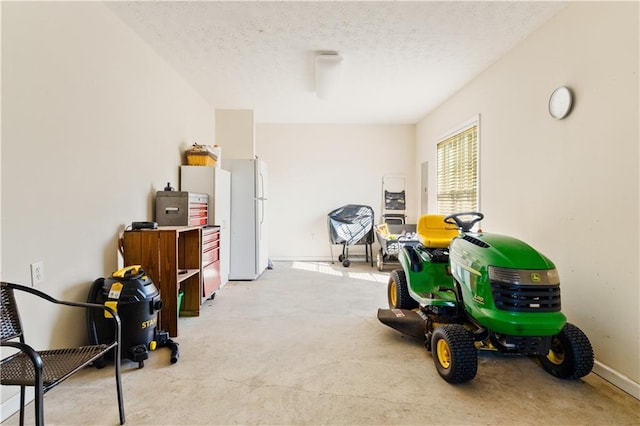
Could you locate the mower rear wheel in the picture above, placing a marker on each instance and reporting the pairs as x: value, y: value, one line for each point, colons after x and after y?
x: 454, y: 353
x: 398, y: 291
x: 570, y: 356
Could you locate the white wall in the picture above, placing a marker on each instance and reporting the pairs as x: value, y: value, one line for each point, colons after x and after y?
x: 569, y: 187
x: 316, y: 168
x: 235, y: 133
x: 94, y: 122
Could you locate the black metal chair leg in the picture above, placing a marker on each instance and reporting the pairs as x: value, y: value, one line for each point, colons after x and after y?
x: 117, y: 363
x: 38, y: 400
x: 22, y: 392
x: 119, y: 390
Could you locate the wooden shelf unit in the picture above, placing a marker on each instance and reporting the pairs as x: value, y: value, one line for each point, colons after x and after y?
x: 172, y: 257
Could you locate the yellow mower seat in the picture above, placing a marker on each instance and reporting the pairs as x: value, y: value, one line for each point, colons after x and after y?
x: 433, y: 232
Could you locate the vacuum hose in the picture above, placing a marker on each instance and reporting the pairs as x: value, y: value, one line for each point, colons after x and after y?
x: 175, y: 353
x: 162, y: 339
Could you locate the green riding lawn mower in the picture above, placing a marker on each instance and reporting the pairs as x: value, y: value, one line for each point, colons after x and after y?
x: 462, y: 291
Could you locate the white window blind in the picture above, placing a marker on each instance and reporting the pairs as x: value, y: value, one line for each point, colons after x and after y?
x: 458, y: 172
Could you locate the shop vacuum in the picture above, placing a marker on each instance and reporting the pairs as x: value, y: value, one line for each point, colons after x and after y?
x: 133, y: 295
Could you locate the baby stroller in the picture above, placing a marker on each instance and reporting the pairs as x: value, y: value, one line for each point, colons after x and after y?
x: 350, y: 225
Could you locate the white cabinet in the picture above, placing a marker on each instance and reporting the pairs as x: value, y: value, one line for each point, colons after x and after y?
x: 215, y: 182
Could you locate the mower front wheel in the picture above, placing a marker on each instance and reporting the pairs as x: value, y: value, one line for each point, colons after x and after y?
x: 398, y: 291
x: 571, y: 354
x: 454, y: 353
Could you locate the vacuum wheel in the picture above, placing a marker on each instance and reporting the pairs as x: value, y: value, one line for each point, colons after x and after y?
x: 99, y: 363
x: 454, y: 353
x: 398, y: 291
x: 570, y: 356
x: 346, y: 263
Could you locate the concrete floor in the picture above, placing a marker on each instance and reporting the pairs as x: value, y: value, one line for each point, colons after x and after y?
x: 302, y: 346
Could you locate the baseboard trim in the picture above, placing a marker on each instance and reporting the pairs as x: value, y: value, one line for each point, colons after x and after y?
x: 617, y: 379
x: 353, y: 256
x: 302, y: 259
x: 12, y: 405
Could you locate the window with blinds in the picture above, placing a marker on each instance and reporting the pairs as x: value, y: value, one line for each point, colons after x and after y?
x: 458, y: 171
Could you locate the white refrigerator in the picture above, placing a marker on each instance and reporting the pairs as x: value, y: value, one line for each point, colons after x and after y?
x: 249, y: 218
x: 215, y: 182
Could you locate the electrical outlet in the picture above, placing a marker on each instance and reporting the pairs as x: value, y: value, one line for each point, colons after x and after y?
x: 37, y: 273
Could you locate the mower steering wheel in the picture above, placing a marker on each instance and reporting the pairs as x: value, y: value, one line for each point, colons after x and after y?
x: 464, y: 225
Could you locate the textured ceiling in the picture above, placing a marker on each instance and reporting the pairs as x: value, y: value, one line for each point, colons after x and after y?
x: 401, y: 59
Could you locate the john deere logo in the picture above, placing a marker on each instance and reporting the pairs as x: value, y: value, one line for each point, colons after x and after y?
x: 535, y: 277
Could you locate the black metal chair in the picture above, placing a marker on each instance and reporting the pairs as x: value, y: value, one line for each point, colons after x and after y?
x: 46, y: 369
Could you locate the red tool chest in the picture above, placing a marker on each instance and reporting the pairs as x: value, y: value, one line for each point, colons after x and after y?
x: 210, y: 261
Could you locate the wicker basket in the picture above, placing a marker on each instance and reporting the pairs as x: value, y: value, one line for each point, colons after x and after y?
x: 199, y: 157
